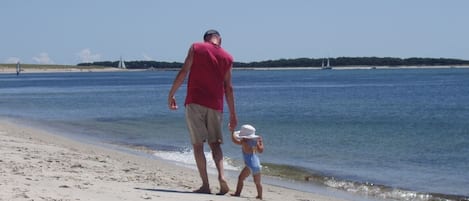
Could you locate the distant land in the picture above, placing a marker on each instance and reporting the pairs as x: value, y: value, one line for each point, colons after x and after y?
x: 51, y: 68
x: 279, y: 64
x: 303, y: 62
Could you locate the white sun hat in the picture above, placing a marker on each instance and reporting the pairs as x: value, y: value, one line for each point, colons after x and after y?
x: 247, y: 131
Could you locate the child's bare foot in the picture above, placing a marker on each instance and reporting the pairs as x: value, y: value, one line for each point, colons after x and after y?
x: 259, y: 197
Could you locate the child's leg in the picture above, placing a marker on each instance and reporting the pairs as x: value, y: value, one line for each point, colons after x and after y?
x: 242, y: 176
x: 257, y: 181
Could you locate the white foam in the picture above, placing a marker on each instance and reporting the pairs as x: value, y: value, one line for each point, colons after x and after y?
x: 187, y: 158
x: 378, y: 191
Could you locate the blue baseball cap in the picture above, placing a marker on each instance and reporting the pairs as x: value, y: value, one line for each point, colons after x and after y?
x: 211, y: 32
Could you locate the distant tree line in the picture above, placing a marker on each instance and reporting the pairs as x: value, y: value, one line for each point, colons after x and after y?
x: 300, y: 62
x: 355, y: 61
x: 135, y: 64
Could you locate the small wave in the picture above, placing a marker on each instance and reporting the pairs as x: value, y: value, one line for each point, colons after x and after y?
x: 361, y: 188
x: 179, y: 155
x: 186, y: 157
x: 386, y: 192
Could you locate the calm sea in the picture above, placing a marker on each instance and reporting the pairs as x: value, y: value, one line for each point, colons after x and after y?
x: 397, y: 134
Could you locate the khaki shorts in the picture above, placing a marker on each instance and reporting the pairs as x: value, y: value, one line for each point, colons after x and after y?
x: 204, y: 124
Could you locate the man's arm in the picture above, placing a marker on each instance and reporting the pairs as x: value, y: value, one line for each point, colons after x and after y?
x: 179, y: 80
x: 229, y: 96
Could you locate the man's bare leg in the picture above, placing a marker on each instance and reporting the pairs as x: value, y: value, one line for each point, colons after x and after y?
x: 217, y: 155
x: 201, y: 162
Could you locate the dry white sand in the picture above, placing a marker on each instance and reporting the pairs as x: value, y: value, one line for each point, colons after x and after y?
x: 36, y: 165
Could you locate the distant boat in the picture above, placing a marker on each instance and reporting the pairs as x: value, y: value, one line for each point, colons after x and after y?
x: 18, y: 68
x: 121, y: 64
x: 328, y: 66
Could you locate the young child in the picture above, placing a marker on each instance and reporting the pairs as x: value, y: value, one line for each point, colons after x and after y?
x: 250, y: 145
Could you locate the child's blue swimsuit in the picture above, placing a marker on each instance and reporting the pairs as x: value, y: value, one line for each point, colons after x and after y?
x: 252, y: 160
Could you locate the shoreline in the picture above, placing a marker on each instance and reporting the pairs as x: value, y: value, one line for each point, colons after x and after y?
x: 59, y: 69
x: 11, y: 69
x: 38, y: 164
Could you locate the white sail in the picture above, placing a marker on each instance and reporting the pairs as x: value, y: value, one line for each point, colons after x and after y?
x: 328, y: 64
x: 121, y: 64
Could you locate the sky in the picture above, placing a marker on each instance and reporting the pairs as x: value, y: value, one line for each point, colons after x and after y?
x: 76, y: 31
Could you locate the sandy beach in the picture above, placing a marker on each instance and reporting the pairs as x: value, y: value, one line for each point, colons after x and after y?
x: 37, y: 165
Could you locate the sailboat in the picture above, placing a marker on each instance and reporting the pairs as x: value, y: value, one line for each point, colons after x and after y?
x: 328, y: 66
x: 121, y: 64
x: 18, y: 68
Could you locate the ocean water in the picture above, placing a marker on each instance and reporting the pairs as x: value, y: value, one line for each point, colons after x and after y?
x: 398, y: 134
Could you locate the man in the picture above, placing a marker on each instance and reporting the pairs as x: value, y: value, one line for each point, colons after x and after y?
x: 209, y: 67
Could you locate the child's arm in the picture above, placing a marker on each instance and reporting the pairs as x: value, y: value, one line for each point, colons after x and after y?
x: 234, y: 139
x: 260, y: 145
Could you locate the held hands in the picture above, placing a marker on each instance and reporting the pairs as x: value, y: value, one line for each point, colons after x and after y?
x: 172, y: 103
x: 233, y: 123
x: 231, y: 126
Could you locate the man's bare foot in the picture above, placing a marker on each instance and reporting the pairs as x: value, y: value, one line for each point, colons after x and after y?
x: 203, y: 190
x: 259, y: 197
x: 236, y: 194
x: 223, y: 188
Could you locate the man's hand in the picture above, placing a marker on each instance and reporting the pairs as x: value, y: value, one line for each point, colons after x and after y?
x: 172, y: 103
x: 233, y: 123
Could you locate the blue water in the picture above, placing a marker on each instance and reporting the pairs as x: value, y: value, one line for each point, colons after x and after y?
x: 401, y: 132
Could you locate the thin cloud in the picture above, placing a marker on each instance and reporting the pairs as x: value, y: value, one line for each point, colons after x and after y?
x: 12, y: 60
x: 43, y: 58
x: 86, y: 56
